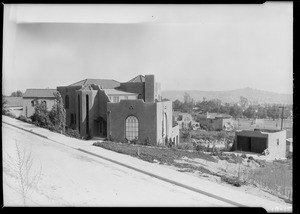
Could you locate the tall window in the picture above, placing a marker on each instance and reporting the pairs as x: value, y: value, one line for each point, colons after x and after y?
x: 67, y: 102
x: 132, y: 127
x: 32, y: 103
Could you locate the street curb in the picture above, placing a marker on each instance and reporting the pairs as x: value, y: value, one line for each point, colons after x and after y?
x: 139, y: 170
x: 26, y: 130
x: 167, y: 180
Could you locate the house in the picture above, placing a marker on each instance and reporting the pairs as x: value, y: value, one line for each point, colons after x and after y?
x: 289, y: 145
x: 184, y: 120
x: 122, y: 111
x: 14, y: 105
x: 33, y: 96
x: 216, y: 121
x: 270, y: 142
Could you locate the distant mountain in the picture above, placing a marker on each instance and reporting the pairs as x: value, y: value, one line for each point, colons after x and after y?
x: 253, y: 95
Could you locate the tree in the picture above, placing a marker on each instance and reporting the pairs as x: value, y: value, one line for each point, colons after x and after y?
x: 236, y: 111
x: 249, y: 112
x: 57, y: 114
x: 40, y: 116
x: 16, y: 94
x: 243, y: 102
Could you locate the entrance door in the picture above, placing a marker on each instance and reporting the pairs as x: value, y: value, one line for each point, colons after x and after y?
x: 102, y: 127
x: 243, y: 143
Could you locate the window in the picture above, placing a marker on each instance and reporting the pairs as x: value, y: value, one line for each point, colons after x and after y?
x: 32, y: 103
x: 116, y: 99
x: 44, y: 102
x: 67, y: 102
x: 132, y: 127
x: 72, y: 118
x: 277, y: 142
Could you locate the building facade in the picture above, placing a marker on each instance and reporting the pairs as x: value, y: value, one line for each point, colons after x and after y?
x: 259, y: 140
x: 122, y: 111
x: 216, y: 121
x: 32, y: 97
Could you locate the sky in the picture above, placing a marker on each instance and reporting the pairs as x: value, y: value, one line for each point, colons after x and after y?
x: 186, y: 47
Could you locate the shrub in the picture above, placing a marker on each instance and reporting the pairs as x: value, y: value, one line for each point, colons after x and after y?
x: 41, y: 116
x: 24, y: 119
x: 73, y: 133
x: 233, y: 181
x: 147, y: 141
x: 185, y: 146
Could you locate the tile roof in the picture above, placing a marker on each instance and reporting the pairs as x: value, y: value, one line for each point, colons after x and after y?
x: 104, y: 83
x: 139, y: 78
x: 14, y: 101
x: 117, y: 92
x: 40, y: 93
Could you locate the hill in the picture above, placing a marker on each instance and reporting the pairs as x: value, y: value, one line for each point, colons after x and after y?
x: 253, y: 95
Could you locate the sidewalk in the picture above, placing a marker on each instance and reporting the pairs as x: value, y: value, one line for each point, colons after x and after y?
x: 225, y: 194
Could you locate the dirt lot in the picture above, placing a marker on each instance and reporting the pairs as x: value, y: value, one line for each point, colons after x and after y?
x: 272, y: 180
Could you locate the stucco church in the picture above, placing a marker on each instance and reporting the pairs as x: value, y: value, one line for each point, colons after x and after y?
x: 124, y: 111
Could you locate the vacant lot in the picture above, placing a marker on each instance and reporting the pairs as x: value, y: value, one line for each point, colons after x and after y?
x: 267, y: 124
x: 237, y: 170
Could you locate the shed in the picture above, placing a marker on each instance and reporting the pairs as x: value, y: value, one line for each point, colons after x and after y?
x: 259, y: 140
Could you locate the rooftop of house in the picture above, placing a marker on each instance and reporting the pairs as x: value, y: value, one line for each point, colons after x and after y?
x: 117, y: 92
x: 14, y: 101
x: 268, y: 130
x: 40, y: 93
x: 104, y: 83
x: 139, y: 78
x: 177, y: 113
x: 215, y: 115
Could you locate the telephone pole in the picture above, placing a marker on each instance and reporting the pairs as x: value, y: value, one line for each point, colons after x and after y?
x: 282, y: 115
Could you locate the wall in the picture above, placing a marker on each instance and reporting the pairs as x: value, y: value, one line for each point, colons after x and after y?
x: 133, y: 87
x: 164, y: 108
x: 277, y: 151
x: 16, y: 111
x: 149, y: 88
x: 30, y: 109
x: 145, y: 112
x: 249, y: 133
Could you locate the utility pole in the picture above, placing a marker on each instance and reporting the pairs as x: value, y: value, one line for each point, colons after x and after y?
x: 282, y: 115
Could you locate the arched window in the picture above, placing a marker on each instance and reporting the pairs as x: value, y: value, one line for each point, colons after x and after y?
x: 44, y: 102
x: 32, y: 103
x: 132, y: 128
x: 67, y: 102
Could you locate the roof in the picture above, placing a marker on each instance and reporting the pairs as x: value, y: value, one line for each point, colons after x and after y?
x: 215, y: 115
x: 104, y: 83
x: 117, y: 92
x: 139, y: 78
x: 49, y: 93
x: 177, y: 113
x: 14, y: 101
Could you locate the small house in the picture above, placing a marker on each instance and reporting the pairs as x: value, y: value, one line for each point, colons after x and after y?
x: 216, y: 121
x: 269, y: 142
x: 32, y: 97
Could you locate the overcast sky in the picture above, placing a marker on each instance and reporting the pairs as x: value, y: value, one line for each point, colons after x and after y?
x: 187, y: 47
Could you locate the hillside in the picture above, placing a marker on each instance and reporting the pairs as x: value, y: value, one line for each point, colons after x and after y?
x: 253, y: 95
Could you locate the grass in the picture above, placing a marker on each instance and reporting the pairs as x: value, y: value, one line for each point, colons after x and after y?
x: 275, y: 177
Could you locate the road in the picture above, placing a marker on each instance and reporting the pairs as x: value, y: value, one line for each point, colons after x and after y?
x: 69, y: 177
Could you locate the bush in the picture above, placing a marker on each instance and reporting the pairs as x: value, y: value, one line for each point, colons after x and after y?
x: 185, y: 146
x: 73, y: 133
x: 24, y: 119
x: 233, y: 181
